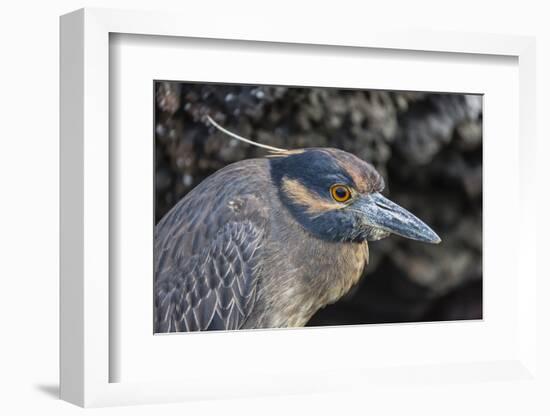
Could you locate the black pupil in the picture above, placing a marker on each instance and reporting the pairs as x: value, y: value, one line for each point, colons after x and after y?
x: 341, y: 193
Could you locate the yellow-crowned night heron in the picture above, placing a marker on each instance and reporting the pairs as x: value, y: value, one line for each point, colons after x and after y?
x: 266, y: 243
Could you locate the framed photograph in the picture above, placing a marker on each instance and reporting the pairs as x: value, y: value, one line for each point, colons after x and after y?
x: 303, y: 212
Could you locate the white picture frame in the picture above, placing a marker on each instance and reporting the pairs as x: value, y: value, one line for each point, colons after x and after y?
x: 86, y: 355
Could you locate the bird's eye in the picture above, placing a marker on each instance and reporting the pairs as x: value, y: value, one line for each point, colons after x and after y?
x: 340, y: 193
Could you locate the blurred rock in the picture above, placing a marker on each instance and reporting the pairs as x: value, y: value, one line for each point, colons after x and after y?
x: 168, y: 96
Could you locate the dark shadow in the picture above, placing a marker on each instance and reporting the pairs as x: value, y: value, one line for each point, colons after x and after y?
x: 51, y: 390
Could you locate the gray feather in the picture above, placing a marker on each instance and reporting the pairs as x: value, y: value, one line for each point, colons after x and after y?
x: 207, y: 266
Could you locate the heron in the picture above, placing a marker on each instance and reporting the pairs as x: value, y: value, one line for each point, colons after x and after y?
x: 267, y: 242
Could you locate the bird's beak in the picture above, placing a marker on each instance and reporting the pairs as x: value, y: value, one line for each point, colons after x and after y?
x: 385, y: 215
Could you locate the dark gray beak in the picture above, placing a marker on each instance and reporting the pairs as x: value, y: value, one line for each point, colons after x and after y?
x: 382, y: 214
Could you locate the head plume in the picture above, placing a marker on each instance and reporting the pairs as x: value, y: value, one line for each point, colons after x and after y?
x: 276, y: 151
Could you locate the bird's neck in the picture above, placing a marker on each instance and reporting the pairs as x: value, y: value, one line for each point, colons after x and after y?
x: 312, y: 274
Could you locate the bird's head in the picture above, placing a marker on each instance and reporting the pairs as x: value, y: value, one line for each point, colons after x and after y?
x: 337, y: 197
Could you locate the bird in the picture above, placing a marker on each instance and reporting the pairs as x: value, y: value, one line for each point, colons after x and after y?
x: 267, y: 242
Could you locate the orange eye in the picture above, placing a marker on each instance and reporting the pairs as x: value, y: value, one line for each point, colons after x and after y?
x: 340, y: 193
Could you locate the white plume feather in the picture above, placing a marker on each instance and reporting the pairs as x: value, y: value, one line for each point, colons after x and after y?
x: 245, y: 140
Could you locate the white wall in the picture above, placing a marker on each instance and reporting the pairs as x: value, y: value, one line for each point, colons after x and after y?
x: 29, y: 206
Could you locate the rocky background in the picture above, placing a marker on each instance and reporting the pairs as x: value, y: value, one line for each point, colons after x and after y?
x: 428, y: 147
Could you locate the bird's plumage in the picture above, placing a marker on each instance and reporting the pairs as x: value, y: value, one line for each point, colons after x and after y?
x: 262, y: 244
x: 216, y: 288
x: 207, y: 256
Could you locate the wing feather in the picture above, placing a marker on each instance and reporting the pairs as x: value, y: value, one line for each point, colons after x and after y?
x: 215, y: 290
x: 208, y: 251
